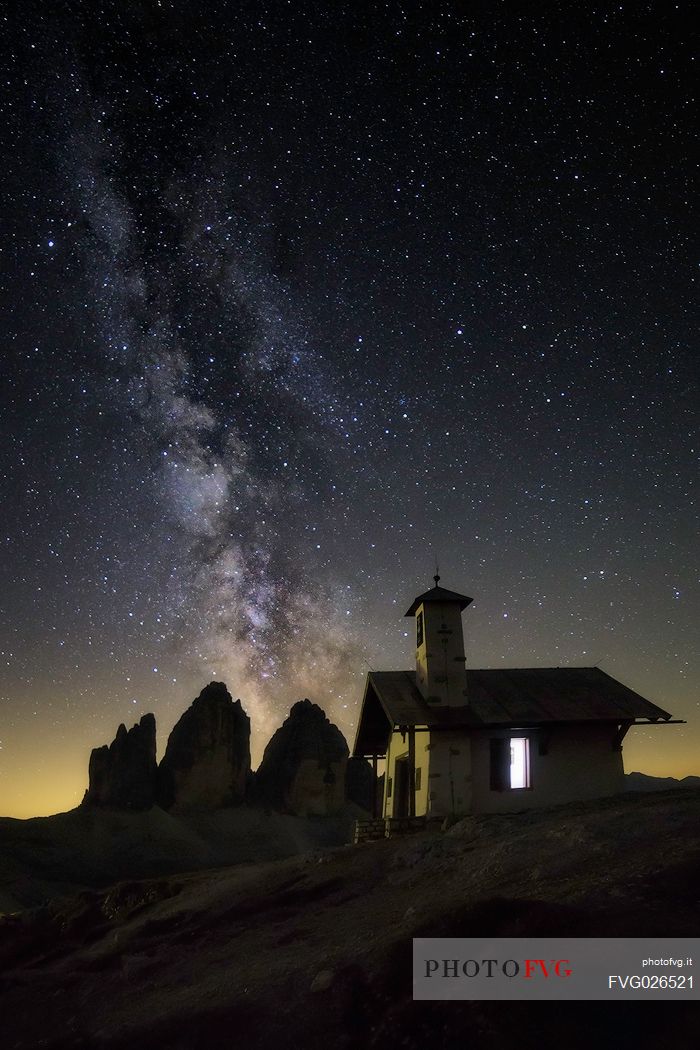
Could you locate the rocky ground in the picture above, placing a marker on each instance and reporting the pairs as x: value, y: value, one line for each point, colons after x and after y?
x: 315, y: 950
x: 88, y: 847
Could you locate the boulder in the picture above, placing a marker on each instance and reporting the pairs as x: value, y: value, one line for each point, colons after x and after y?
x: 207, y: 761
x: 123, y: 775
x: 361, y: 784
x: 303, y: 767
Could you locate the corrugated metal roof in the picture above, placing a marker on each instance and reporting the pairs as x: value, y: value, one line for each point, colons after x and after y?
x: 555, y: 694
x: 512, y: 696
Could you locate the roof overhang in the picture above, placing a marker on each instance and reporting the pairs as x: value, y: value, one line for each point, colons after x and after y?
x: 619, y: 720
x: 374, y: 727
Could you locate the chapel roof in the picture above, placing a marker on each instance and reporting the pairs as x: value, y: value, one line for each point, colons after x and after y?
x: 518, y: 696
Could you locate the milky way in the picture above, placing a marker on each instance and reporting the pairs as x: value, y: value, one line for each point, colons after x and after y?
x: 239, y: 409
x: 300, y: 301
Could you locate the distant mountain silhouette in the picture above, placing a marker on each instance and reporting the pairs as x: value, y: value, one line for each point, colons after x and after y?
x: 206, y: 765
x: 643, y: 782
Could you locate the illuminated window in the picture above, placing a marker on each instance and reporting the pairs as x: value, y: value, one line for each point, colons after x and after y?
x: 419, y: 629
x: 510, y: 763
x: 519, y: 762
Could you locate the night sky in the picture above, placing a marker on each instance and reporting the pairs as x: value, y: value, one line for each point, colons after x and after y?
x: 299, y: 298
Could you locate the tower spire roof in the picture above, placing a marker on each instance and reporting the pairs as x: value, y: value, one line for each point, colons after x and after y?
x: 438, y: 594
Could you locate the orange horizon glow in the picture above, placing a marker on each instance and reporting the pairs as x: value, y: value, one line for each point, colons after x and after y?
x: 59, y: 782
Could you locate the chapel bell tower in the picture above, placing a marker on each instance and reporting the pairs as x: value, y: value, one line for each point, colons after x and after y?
x: 441, y: 674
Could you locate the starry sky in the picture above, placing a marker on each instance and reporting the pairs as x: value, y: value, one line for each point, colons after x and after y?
x: 299, y: 299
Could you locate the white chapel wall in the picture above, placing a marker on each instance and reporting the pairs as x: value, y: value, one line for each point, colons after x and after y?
x: 580, y: 763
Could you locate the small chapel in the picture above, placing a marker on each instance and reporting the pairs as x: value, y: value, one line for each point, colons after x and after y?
x: 457, y: 740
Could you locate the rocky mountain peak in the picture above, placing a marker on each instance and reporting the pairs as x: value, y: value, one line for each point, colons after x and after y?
x: 303, y: 767
x: 207, y: 760
x: 124, y: 774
